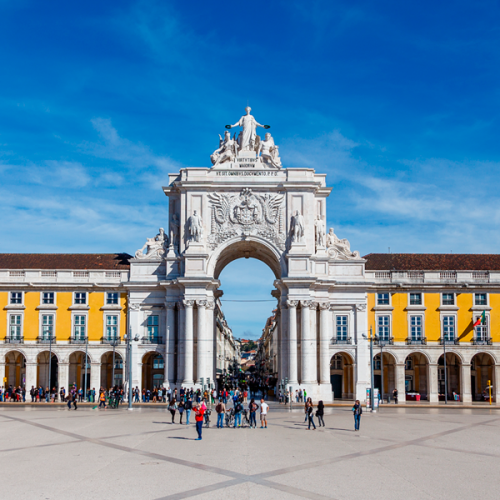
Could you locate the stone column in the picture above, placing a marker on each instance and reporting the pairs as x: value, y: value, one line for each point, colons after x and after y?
x: 495, y: 390
x: 433, y: 383
x: 465, y: 386
x: 169, y: 344
x: 136, y: 329
x: 308, y: 345
x: 95, y: 377
x: 30, y: 376
x: 400, y: 381
x: 210, y: 336
x: 187, y: 340
x: 2, y: 375
x: 202, y: 341
x: 181, y: 318
x: 63, y: 376
x: 324, y: 344
x: 292, y: 342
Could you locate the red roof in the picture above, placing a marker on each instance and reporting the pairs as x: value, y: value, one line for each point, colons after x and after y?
x: 431, y: 262
x: 113, y: 261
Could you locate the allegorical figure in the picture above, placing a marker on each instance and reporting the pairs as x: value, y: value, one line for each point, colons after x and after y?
x: 319, y: 226
x: 174, y: 231
x: 195, y: 227
x: 269, y: 151
x: 297, y: 227
x: 249, y: 125
x: 339, y: 248
x: 154, y: 247
x: 228, y: 149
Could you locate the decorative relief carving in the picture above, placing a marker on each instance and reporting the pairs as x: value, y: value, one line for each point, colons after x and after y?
x: 339, y: 249
x: 246, y: 214
x: 154, y: 248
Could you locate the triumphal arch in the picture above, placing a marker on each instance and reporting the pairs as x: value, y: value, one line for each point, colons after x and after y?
x: 247, y: 204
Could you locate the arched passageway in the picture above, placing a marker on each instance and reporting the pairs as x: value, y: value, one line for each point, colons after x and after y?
x: 153, y: 370
x: 47, y: 364
x: 15, y: 369
x: 482, y: 375
x: 453, y: 376
x: 342, y: 375
x: 107, y: 371
x: 417, y: 376
x: 387, y: 363
x: 77, y: 370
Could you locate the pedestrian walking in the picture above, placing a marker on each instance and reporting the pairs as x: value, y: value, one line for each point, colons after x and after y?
x: 253, y: 407
x: 395, y: 396
x: 357, y: 411
x: 188, y: 407
x: 264, y: 408
x: 221, y: 411
x: 181, y: 411
x: 238, y: 408
x: 198, y: 416
x: 310, y: 416
x: 320, y: 412
x: 102, y: 399
x: 172, y: 408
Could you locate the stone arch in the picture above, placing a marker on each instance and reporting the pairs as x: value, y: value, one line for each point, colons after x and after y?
x: 342, y: 375
x: 390, y: 360
x: 483, y: 369
x: 417, y: 374
x: 250, y: 247
x: 15, y: 368
x: 76, y: 366
x: 153, y: 369
x: 453, y: 378
x: 47, y: 368
x: 107, y: 369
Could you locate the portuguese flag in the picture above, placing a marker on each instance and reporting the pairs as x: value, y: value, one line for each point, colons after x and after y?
x: 481, y: 320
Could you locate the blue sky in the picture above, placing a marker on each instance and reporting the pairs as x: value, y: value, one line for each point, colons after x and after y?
x: 397, y: 102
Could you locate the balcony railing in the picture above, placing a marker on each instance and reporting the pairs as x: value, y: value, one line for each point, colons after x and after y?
x: 412, y: 341
x: 152, y: 340
x: 383, y: 342
x: 78, y: 340
x: 342, y: 341
x: 46, y: 340
x: 14, y: 340
x: 442, y: 341
x: 111, y: 340
x: 482, y: 341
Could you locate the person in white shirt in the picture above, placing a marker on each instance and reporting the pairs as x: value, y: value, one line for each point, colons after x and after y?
x: 264, y: 407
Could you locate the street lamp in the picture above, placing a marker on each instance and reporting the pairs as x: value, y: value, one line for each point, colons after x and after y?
x: 372, y: 392
x: 86, y: 365
x: 50, y: 364
x: 129, y: 358
x: 445, y: 374
x: 114, y: 343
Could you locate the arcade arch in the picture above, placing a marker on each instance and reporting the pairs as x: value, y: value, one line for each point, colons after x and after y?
x: 389, y: 367
x: 342, y: 375
x: 77, y: 369
x: 15, y: 369
x: 417, y: 374
x: 107, y: 370
x: 153, y: 370
x: 453, y: 378
x: 47, y: 362
x: 482, y: 371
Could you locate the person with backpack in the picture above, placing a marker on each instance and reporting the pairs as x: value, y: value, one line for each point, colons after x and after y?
x: 253, y: 407
x: 238, y: 408
x: 102, y: 399
x: 357, y: 411
x: 221, y: 412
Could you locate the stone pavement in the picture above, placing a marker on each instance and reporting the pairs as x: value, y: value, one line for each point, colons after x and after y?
x: 52, y: 453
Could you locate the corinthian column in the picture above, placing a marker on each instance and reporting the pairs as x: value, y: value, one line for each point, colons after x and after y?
x: 292, y: 342
x: 308, y: 345
x: 188, y: 343
x: 202, y: 341
x: 324, y: 344
x: 170, y: 344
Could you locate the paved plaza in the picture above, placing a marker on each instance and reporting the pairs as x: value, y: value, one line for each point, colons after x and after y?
x: 53, y: 453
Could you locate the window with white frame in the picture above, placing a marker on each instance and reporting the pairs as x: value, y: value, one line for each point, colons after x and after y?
x: 112, y: 327
x: 384, y: 327
x: 80, y: 297
x: 415, y: 299
x: 15, y: 326
x: 158, y: 363
x: 80, y: 324
x: 152, y: 327
x: 47, y: 326
x: 16, y: 297
x: 481, y: 330
x: 382, y: 299
x: 448, y: 299
x: 47, y: 297
x: 112, y: 298
x: 342, y: 327
x: 449, y: 327
x: 416, y: 327
x: 480, y: 299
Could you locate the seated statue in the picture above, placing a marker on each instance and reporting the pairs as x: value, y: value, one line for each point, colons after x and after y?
x: 154, y: 248
x: 339, y: 248
x: 269, y: 151
x: 228, y: 149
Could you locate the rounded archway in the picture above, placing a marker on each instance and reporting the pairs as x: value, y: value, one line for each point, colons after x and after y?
x: 15, y: 369
x: 47, y: 370
x: 387, y: 363
x: 342, y: 375
x: 77, y: 370
x: 153, y: 370
x: 417, y: 376
x: 450, y: 381
x: 482, y: 375
x: 111, y: 375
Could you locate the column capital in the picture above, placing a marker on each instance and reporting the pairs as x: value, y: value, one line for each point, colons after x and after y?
x: 323, y: 306
x: 292, y: 303
x: 170, y: 305
x: 210, y: 304
x: 306, y: 303
x: 201, y: 303
x: 188, y: 303
x: 360, y: 307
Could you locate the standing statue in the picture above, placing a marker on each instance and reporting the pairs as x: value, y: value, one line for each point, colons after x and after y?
x: 319, y: 226
x: 249, y: 125
x: 195, y: 227
x: 228, y: 149
x: 154, y: 247
x: 174, y: 231
x: 269, y: 151
x: 297, y: 227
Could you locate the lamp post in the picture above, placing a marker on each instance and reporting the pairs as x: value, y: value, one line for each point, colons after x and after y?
x: 86, y: 366
x: 114, y: 343
x: 129, y: 362
x: 382, y: 367
x: 445, y: 374
x: 50, y: 364
x: 372, y: 392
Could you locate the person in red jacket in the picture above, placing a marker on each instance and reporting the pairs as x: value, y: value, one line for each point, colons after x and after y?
x: 198, y: 416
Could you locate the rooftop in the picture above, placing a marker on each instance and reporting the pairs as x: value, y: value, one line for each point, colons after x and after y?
x: 114, y: 261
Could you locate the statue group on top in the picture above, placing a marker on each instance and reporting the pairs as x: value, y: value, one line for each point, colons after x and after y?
x: 247, y: 140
